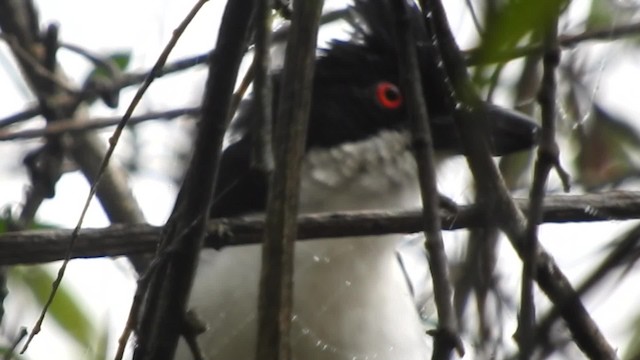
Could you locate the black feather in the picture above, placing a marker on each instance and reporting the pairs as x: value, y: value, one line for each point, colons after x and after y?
x: 344, y: 106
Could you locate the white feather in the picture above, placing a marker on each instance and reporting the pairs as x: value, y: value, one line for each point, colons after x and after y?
x: 351, y: 297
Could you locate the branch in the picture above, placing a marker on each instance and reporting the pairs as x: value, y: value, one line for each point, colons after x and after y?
x: 30, y: 61
x: 78, y: 125
x: 477, y: 57
x: 547, y: 158
x: 498, y: 202
x: 19, y: 21
x: 262, y: 148
x: 170, y: 279
x: 446, y: 336
x: 31, y: 247
x: 20, y: 116
x: 129, y: 79
x: 623, y: 254
x: 471, y: 56
x: 275, y: 301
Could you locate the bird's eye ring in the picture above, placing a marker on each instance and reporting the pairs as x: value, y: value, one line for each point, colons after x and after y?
x: 388, y: 95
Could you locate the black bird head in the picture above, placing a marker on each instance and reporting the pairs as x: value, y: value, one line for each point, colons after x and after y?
x: 356, y: 89
x: 356, y: 96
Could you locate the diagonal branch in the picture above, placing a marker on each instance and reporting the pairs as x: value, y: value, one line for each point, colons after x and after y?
x: 498, y: 202
x: 19, y: 20
x: 166, y: 297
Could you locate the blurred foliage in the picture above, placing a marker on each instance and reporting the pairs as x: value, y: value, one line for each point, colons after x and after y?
x: 633, y: 349
x: 608, y: 151
x: 14, y: 356
x: 65, y: 310
x: 605, y: 146
x: 509, y: 24
x: 7, y: 223
x: 5, y: 220
x: 603, y: 14
x: 105, y: 73
x: 119, y: 60
x: 600, y: 15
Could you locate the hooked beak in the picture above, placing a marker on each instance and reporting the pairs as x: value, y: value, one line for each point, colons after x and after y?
x: 508, y: 131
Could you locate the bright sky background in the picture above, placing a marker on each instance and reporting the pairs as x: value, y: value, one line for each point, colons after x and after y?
x: 144, y: 27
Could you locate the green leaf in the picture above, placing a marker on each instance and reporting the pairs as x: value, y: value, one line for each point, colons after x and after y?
x: 65, y: 309
x: 102, y: 76
x: 633, y: 347
x: 516, y: 20
x: 608, y: 14
x: 120, y: 59
x: 15, y: 356
x: 600, y: 15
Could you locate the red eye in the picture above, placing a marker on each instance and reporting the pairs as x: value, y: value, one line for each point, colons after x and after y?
x: 388, y: 95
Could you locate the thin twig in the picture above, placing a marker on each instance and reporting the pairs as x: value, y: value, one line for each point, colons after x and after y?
x: 275, y: 301
x: 56, y: 103
x: 548, y: 155
x: 127, y: 79
x: 105, y: 63
x: 477, y: 57
x: 141, y: 287
x: 76, y: 125
x: 262, y: 149
x: 18, y: 22
x: 613, y: 32
x: 11, y: 351
x: 471, y: 55
x: 34, y: 64
x: 20, y: 116
x: 625, y: 251
x: 105, y: 162
x: 446, y: 337
x: 507, y: 216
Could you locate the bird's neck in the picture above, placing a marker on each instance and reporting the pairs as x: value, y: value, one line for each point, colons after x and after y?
x: 374, y: 174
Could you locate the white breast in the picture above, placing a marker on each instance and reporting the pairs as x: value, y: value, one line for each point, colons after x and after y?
x: 379, y: 173
x: 351, y: 298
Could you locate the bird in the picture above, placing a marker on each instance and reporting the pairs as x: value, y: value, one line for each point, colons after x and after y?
x: 353, y: 298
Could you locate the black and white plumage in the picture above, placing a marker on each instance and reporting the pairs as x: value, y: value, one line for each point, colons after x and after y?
x: 352, y: 299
